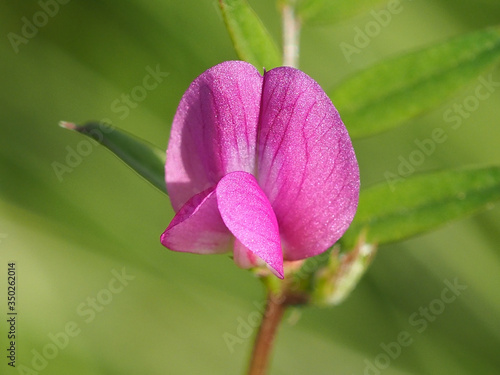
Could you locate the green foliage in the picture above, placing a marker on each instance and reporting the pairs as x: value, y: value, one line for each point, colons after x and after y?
x: 421, y: 203
x: 319, y: 12
x: 67, y: 236
x: 144, y: 158
x: 251, y: 40
x: 394, y: 91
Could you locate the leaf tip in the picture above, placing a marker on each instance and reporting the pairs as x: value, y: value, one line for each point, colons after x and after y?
x: 68, y: 125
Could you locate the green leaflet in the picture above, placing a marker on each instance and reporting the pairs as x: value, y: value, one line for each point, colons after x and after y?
x: 421, y: 203
x: 389, y: 93
x: 142, y: 157
x: 251, y: 40
x: 320, y: 12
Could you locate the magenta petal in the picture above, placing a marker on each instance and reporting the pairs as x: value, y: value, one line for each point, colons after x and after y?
x: 198, y: 227
x: 306, y: 163
x: 243, y: 257
x: 214, y: 130
x: 247, y: 213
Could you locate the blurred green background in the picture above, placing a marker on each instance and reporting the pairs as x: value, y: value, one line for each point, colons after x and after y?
x: 68, y: 235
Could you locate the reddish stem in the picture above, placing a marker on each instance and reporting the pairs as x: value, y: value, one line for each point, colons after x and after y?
x: 259, y: 361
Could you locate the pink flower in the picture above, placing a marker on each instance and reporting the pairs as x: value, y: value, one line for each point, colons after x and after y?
x: 259, y: 165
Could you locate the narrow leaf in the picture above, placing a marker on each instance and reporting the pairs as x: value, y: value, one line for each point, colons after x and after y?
x: 251, y: 40
x: 396, y: 90
x: 321, y: 12
x: 142, y: 157
x: 421, y: 203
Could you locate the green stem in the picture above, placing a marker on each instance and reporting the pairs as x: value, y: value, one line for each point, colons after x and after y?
x: 291, y: 35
